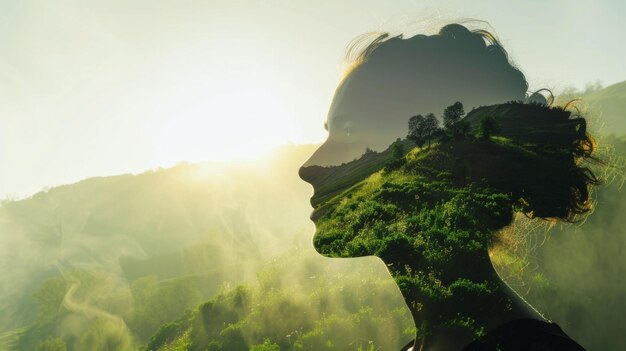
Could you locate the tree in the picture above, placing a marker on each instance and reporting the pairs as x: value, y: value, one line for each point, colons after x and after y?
x: 488, y: 126
x: 453, y: 121
x: 397, y: 151
x: 422, y: 129
x: 452, y: 115
x: 397, y: 157
x: 430, y: 126
x: 416, y: 132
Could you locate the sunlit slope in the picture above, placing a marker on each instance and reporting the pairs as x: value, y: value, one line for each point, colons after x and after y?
x: 529, y: 129
x: 144, y: 265
x: 605, y: 110
x: 607, y: 107
x: 299, y: 302
x: 364, y: 219
x: 544, y: 274
x: 213, y: 222
x: 332, y: 180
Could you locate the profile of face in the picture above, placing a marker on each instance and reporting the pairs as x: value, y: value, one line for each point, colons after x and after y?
x: 429, y: 203
x: 392, y: 80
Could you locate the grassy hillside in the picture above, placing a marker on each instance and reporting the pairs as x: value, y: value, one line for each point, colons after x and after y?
x: 202, y: 226
x: 106, y: 263
x: 574, y: 298
x: 332, y: 180
x: 607, y: 107
x: 350, y: 305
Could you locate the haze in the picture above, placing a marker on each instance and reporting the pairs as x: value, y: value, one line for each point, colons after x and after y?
x: 109, y: 87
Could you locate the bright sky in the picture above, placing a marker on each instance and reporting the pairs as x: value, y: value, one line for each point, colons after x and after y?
x: 90, y: 88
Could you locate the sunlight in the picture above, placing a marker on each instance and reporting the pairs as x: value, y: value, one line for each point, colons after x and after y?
x: 242, y: 121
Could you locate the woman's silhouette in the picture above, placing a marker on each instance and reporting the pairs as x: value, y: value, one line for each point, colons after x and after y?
x: 431, y: 213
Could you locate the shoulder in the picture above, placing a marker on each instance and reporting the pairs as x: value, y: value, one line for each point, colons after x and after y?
x: 525, y: 335
x: 522, y: 335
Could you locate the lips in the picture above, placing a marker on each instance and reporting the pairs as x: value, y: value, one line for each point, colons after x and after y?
x: 316, y: 214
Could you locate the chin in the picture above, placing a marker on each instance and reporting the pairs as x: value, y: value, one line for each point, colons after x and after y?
x: 322, y: 251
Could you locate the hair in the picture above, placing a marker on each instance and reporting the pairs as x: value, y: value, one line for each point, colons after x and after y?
x: 552, y: 183
x: 546, y: 168
x: 362, y: 47
x: 489, y: 59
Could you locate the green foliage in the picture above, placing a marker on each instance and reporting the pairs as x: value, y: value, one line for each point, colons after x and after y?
x: 52, y: 344
x: 416, y: 132
x: 397, y: 157
x: 267, y: 345
x: 397, y: 151
x: 489, y: 126
x: 302, y: 296
x: 419, y: 221
x: 49, y: 298
x: 160, y: 302
x: 455, y: 127
x: 452, y: 115
x: 328, y: 312
x: 422, y: 129
x: 169, y: 332
x: 608, y: 102
x: 460, y: 130
x: 439, y: 209
x: 181, y: 343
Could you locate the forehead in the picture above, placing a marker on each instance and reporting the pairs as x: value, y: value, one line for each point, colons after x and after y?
x: 338, y: 109
x: 373, y: 102
x: 380, y: 97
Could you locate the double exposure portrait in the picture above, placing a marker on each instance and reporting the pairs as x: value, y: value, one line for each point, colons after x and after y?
x: 282, y: 176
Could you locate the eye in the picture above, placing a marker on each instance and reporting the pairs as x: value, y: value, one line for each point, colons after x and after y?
x: 326, y: 126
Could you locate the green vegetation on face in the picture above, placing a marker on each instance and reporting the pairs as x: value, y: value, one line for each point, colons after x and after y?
x: 431, y: 216
x: 573, y: 273
x: 423, y: 129
x: 423, y: 223
x: 488, y: 127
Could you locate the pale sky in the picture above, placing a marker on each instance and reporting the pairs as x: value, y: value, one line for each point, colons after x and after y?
x: 94, y: 88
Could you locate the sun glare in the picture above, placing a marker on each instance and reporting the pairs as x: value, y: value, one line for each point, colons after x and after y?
x: 240, y: 122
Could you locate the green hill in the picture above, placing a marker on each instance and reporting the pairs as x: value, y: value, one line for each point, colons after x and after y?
x: 106, y: 263
x: 607, y: 107
x: 332, y: 180
x: 248, y: 317
x: 213, y: 222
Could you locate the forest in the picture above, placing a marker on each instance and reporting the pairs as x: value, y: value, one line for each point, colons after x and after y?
x: 220, y: 257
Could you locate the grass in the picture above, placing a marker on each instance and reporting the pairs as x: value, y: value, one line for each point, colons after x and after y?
x: 9, y: 339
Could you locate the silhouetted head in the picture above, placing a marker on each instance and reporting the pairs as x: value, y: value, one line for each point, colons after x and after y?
x: 470, y: 185
x: 394, y: 78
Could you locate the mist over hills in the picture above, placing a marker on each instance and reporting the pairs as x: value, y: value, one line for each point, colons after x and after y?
x: 215, y: 220
x: 606, y: 106
x: 109, y: 262
x: 570, y: 289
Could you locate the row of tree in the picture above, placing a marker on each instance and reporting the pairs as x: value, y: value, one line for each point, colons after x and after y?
x: 424, y: 129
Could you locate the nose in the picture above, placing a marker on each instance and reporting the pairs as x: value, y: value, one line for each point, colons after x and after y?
x: 333, y: 152
x: 310, y: 174
x: 320, y: 178
x: 306, y: 171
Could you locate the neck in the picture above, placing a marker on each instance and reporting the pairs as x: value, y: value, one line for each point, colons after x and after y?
x: 470, y: 299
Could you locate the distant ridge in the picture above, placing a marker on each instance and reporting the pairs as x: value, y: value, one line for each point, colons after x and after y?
x: 607, y: 104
